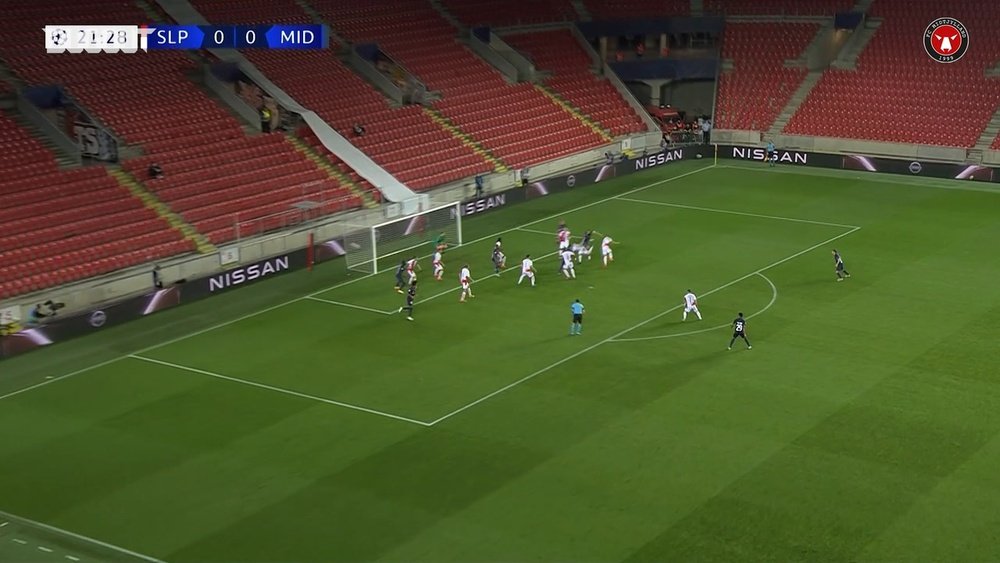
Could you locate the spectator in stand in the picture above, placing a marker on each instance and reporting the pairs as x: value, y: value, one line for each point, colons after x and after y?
x: 155, y: 172
x: 706, y: 130
x: 265, y: 119
x: 359, y: 130
x: 640, y: 48
x: 157, y: 278
x: 479, y: 186
x: 665, y: 52
x: 619, y: 55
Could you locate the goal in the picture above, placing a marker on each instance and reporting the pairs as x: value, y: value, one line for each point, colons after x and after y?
x: 380, y: 247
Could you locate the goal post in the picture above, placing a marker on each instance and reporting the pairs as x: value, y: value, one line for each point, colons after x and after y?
x: 378, y: 247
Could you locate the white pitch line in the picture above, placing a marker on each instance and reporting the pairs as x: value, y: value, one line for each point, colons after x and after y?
x: 2, y: 524
x: 742, y: 213
x: 631, y: 328
x: 774, y: 297
x: 71, y: 558
x: 899, y: 180
x: 278, y: 389
x: 537, y: 231
x: 43, y: 548
x: 494, y: 275
x: 331, y: 288
x: 349, y: 305
x: 20, y: 541
x: 78, y: 537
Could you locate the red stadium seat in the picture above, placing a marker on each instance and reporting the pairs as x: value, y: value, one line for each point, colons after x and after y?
x: 898, y: 94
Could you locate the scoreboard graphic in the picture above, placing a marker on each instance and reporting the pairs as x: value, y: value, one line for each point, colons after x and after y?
x: 74, y: 38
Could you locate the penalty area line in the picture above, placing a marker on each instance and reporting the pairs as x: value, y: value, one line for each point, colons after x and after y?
x: 275, y: 389
x: 774, y: 297
x: 640, y: 324
x: 732, y: 212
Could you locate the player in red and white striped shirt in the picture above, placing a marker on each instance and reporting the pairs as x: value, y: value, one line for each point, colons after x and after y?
x: 438, y: 266
x: 412, y: 266
x: 465, y: 278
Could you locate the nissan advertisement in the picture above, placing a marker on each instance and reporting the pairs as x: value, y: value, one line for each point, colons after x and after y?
x: 864, y: 163
x: 59, y: 329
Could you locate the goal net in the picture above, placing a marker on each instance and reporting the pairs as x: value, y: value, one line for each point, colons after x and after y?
x: 381, y: 247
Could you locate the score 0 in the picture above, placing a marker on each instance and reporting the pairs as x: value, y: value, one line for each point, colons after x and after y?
x: 219, y: 37
x: 250, y: 37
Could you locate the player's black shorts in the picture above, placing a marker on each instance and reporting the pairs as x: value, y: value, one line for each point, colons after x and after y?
x: 409, y: 301
x: 578, y: 319
x: 739, y: 335
x: 840, y: 266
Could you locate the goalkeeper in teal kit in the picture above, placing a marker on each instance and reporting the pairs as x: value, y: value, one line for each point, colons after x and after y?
x: 439, y: 243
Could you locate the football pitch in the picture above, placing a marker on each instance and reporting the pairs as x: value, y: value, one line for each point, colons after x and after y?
x: 304, y: 419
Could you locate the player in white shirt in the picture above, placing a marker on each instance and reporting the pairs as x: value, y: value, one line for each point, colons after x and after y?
x: 690, y: 305
x: 606, y: 253
x: 567, y: 264
x: 438, y: 266
x: 465, y: 278
x: 527, y: 270
x: 411, y: 269
x: 563, y: 237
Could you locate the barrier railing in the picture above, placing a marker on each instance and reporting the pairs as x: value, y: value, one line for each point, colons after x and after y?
x: 316, y: 200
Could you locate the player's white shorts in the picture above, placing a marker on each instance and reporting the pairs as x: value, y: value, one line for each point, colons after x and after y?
x: 528, y: 274
x: 413, y: 275
x: 563, y: 245
x: 606, y: 251
x: 438, y: 268
x: 567, y: 265
x: 692, y: 309
x: 465, y: 286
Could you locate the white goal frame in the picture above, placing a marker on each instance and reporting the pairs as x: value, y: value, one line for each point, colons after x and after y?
x: 365, y: 250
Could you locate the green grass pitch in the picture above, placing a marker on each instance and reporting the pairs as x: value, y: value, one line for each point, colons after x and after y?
x: 302, y: 419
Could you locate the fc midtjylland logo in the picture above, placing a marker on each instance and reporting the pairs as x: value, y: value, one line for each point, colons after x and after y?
x: 946, y: 40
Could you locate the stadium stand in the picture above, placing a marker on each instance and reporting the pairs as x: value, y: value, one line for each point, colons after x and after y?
x: 632, y: 9
x: 996, y: 144
x: 150, y: 101
x: 753, y: 94
x: 777, y: 7
x: 62, y: 226
x: 398, y: 139
x: 515, y: 122
x: 898, y: 94
x: 559, y: 52
x: 500, y: 13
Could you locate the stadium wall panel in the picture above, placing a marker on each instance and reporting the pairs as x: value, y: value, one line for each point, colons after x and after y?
x: 867, y: 163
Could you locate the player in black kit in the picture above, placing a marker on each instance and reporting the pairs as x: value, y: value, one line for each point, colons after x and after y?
x: 499, y: 260
x: 740, y: 331
x: 410, y: 295
x: 400, y: 284
x: 839, y: 262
